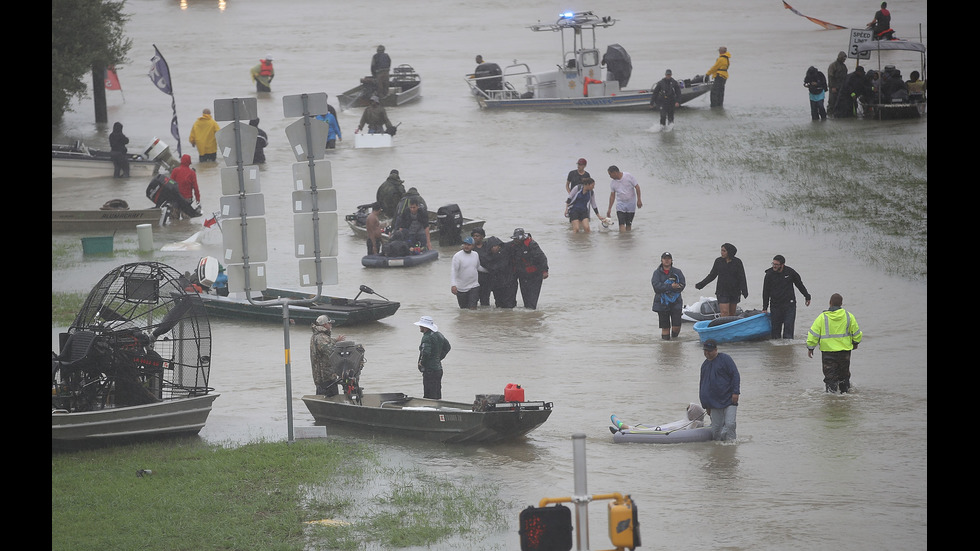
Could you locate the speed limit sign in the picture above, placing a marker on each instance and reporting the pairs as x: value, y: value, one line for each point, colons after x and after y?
x: 858, y: 36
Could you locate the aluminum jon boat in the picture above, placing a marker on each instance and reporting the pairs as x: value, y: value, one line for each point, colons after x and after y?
x: 344, y: 311
x: 78, y: 161
x: 434, y: 420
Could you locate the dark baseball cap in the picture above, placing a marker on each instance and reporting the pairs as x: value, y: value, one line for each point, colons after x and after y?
x: 709, y: 344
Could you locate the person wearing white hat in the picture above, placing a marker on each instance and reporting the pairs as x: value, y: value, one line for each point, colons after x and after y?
x: 432, y: 350
x: 263, y: 73
x: 322, y: 345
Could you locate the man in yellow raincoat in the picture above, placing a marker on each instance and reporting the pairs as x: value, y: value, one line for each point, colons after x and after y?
x: 836, y: 331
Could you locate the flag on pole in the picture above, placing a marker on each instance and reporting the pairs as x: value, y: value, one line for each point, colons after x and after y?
x: 112, y: 79
x: 160, y: 75
x: 824, y: 24
x: 210, y: 221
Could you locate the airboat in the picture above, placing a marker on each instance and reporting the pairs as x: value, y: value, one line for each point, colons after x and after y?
x: 135, y: 362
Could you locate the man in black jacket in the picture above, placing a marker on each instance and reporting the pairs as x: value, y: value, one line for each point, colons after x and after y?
x: 778, y: 296
x: 531, y: 266
x: 666, y: 95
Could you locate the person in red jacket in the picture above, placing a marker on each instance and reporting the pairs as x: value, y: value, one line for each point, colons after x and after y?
x: 186, y: 179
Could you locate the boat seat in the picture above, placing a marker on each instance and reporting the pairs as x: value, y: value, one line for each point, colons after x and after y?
x: 77, y: 347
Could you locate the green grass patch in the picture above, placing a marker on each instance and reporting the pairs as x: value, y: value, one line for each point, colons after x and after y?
x: 65, y: 306
x: 261, y: 495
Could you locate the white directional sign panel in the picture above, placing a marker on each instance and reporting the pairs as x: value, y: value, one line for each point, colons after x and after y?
x: 327, y: 231
x: 302, y: 179
x: 328, y: 272
x: 296, y: 134
x: 236, y: 277
x: 230, y: 184
x: 228, y: 142
x: 326, y: 201
x: 234, y: 246
x: 231, y: 207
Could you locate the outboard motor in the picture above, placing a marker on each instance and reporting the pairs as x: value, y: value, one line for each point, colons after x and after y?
x: 347, y: 359
x: 450, y: 221
x: 162, y: 189
x: 489, y: 70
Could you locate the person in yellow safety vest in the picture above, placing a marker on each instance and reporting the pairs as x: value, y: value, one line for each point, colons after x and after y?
x: 837, y: 332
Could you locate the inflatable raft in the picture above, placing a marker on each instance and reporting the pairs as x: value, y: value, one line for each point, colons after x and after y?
x: 685, y: 430
x: 382, y: 261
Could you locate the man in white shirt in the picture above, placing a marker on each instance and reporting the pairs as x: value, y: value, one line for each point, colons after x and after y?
x: 625, y: 195
x: 464, y: 277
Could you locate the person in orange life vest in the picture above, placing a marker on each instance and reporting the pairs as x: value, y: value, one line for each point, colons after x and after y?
x: 531, y: 265
x: 186, y: 179
x: 262, y: 74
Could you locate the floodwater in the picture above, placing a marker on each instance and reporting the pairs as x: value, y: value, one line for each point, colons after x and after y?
x: 809, y: 470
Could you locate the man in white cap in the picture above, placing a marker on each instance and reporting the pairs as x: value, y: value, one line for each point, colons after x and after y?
x: 432, y: 350
x: 322, y: 345
x: 263, y: 73
x: 376, y: 119
x: 464, y: 277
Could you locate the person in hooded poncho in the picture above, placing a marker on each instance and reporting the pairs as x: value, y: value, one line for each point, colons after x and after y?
x: 731, y: 280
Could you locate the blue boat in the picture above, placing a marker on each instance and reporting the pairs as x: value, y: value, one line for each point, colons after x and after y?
x: 749, y: 328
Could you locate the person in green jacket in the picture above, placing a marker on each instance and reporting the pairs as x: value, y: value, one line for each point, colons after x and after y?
x: 836, y: 331
x: 432, y: 351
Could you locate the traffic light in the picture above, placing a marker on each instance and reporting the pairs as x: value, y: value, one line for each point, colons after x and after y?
x: 624, y: 527
x: 546, y: 528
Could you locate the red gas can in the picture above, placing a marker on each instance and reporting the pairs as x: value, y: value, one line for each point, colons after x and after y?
x: 513, y: 393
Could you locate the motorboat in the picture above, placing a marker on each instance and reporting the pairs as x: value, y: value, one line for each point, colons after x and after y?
x: 878, y: 108
x: 706, y: 308
x: 750, y: 326
x: 134, y: 363
x: 452, y: 221
x: 169, y: 207
x: 585, y: 79
x: 76, y: 160
x: 404, y: 86
x: 104, y: 219
x: 344, y: 311
x: 488, y: 419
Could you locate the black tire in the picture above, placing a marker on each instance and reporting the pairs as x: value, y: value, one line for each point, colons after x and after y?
x: 723, y: 320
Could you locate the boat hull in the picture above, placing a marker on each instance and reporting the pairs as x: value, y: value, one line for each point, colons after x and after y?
x: 648, y: 436
x: 894, y: 111
x: 624, y: 101
x: 343, y: 311
x: 81, y: 167
x: 757, y: 327
x: 382, y: 261
x: 432, y: 420
x: 166, y: 418
x: 86, y: 220
x: 404, y: 86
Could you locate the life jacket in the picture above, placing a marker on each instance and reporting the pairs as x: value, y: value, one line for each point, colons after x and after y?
x: 266, y: 69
